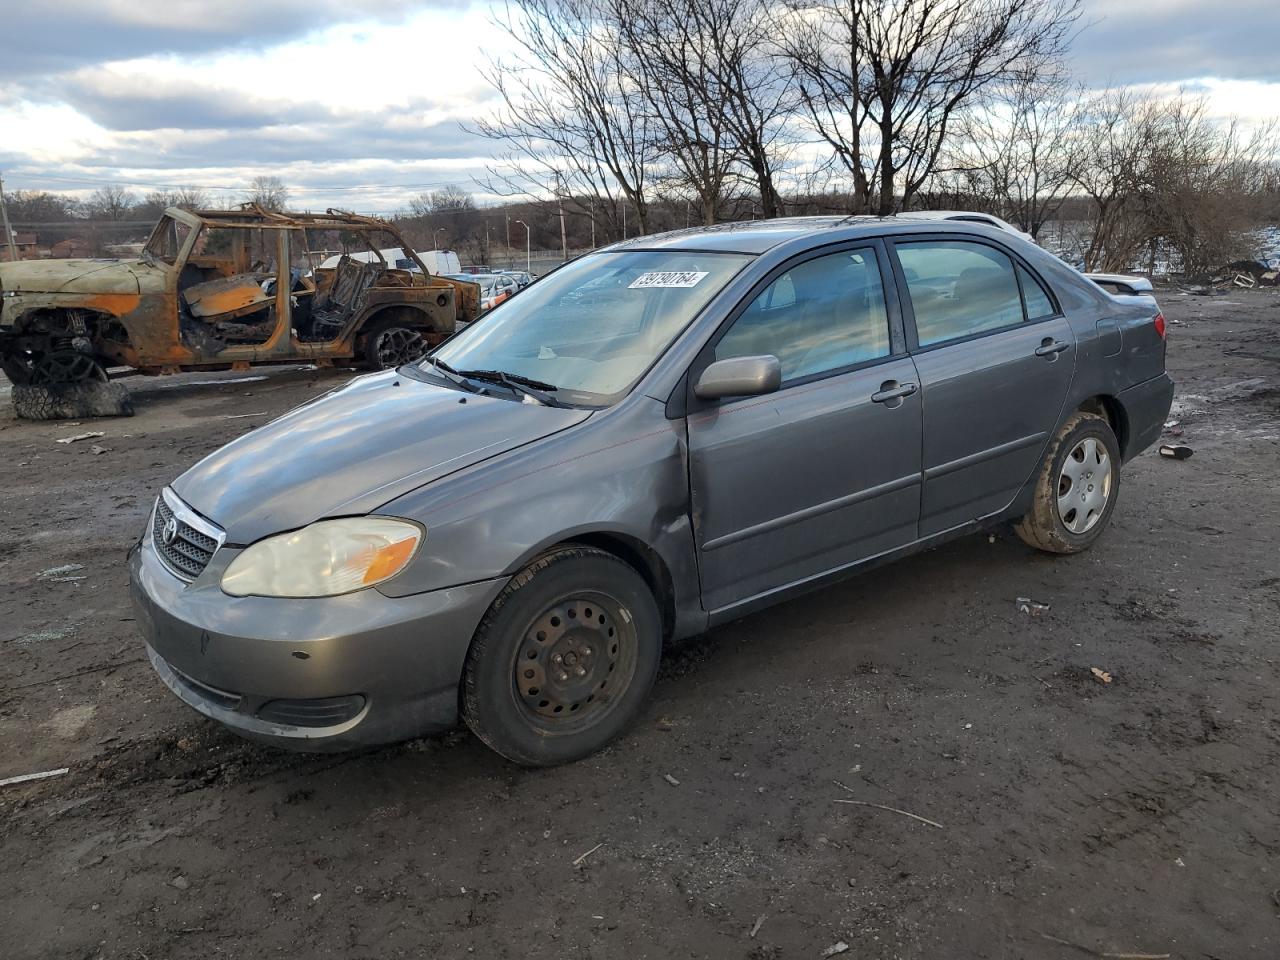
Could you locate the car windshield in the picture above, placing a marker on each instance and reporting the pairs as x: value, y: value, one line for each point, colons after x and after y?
x: 595, y: 325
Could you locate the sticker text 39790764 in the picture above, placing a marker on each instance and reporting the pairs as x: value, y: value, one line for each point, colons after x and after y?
x: 667, y: 278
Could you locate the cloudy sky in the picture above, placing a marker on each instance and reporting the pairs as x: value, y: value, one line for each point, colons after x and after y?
x: 359, y: 105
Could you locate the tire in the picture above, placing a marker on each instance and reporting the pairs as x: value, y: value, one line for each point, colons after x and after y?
x: 71, y: 401
x: 564, y: 658
x: 390, y: 344
x: 1072, y: 504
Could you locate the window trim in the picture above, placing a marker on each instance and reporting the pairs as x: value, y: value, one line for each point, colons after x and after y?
x: 908, y: 309
x: 897, y: 337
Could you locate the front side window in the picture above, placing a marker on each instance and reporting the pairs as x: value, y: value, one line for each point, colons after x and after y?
x: 167, y: 239
x: 822, y: 315
x: 595, y: 325
x: 959, y: 289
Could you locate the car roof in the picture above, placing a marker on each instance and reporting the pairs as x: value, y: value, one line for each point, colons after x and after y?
x: 758, y: 236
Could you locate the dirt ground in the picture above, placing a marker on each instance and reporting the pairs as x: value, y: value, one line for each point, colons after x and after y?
x: 1136, y: 817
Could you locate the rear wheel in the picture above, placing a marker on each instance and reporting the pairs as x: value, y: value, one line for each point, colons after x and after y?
x: 1076, y: 490
x: 564, y: 659
x: 390, y: 345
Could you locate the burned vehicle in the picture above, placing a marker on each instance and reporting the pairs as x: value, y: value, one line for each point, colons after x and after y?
x: 219, y: 289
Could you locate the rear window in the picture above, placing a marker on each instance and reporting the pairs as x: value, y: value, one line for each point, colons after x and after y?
x: 959, y: 289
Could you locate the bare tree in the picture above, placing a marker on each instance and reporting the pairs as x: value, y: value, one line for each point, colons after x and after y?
x: 270, y: 193
x: 185, y: 198
x: 111, y: 202
x: 882, y: 80
x: 1207, y: 178
x: 32, y: 206
x: 450, y: 198
x: 1012, y: 153
x: 710, y: 72
x: 574, y: 125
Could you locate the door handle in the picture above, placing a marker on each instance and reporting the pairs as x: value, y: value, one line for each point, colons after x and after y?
x: 1051, y: 348
x: 892, y: 390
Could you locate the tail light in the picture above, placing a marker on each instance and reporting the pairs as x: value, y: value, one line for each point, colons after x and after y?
x: 1159, y: 324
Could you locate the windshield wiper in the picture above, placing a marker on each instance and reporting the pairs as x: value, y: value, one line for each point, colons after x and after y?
x: 452, y: 375
x: 519, y: 384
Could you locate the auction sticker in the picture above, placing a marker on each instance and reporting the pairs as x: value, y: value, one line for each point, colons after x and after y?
x: 668, y: 279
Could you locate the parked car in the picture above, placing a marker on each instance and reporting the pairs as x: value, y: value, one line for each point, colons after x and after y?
x: 495, y: 288
x: 658, y: 437
x: 215, y: 289
x: 965, y: 216
x: 521, y: 278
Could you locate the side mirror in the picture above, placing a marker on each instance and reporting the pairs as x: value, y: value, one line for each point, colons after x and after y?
x: 739, y: 377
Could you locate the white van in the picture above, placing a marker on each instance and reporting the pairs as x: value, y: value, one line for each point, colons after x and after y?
x: 440, y: 262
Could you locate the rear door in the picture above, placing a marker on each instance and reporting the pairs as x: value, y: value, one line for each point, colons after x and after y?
x: 995, y: 358
x: 825, y: 471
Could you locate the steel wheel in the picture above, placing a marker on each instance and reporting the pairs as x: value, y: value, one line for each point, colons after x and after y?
x: 1084, y: 485
x: 396, y: 346
x: 66, y: 366
x: 573, y: 656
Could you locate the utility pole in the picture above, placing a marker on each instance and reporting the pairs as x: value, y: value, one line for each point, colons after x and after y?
x: 593, y: 224
x: 507, y: 214
x: 8, y: 231
x: 564, y: 241
x: 624, y: 218
x: 528, y: 249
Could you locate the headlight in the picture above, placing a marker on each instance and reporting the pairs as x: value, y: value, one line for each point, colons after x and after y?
x: 325, y: 559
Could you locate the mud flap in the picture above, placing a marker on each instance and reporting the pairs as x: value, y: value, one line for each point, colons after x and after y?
x: 72, y: 401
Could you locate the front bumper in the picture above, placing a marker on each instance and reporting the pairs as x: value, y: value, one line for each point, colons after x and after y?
x: 354, y: 670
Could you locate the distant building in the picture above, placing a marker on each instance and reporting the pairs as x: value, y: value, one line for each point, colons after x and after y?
x: 26, y: 242
x: 70, y: 248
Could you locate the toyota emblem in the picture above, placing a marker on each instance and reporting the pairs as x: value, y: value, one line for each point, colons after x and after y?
x: 170, y: 532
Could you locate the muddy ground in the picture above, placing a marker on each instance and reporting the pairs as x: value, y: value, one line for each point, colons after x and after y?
x: 1136, y: 817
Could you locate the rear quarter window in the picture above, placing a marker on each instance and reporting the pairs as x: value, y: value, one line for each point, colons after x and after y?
x: 1039, y: 303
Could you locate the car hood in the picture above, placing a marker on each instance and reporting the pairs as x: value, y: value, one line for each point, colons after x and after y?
x: 351, y: 451
x: 73, y: 276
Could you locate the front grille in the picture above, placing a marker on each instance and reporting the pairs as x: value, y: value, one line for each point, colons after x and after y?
x: 185, y: 550
x: 328, y: 712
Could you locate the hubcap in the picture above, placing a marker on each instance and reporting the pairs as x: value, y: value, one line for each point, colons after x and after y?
x: 575, y: 659
x: 397, y: 346
x: 1084, y: 485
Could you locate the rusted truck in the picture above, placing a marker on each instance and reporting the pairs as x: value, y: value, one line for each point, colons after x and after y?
x: 214, y: 290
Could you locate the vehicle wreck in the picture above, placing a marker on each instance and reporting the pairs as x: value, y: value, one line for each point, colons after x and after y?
x: 219, y: 289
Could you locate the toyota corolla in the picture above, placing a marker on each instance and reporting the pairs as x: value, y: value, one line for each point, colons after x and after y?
x: 656, y: 438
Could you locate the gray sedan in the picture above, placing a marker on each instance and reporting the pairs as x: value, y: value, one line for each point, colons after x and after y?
x: 656, y: 438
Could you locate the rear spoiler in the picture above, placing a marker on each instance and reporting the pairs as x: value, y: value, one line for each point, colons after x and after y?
x: 1122, y: 284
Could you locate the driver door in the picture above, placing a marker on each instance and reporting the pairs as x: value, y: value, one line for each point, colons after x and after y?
x: 825, y: 472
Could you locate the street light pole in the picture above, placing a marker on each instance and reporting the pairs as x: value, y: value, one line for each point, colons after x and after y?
x: 528, y: 249
x: 435, y: 242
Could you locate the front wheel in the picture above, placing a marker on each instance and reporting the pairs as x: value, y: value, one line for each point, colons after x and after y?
x: 1076, y: 489
x: 564, y: 659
